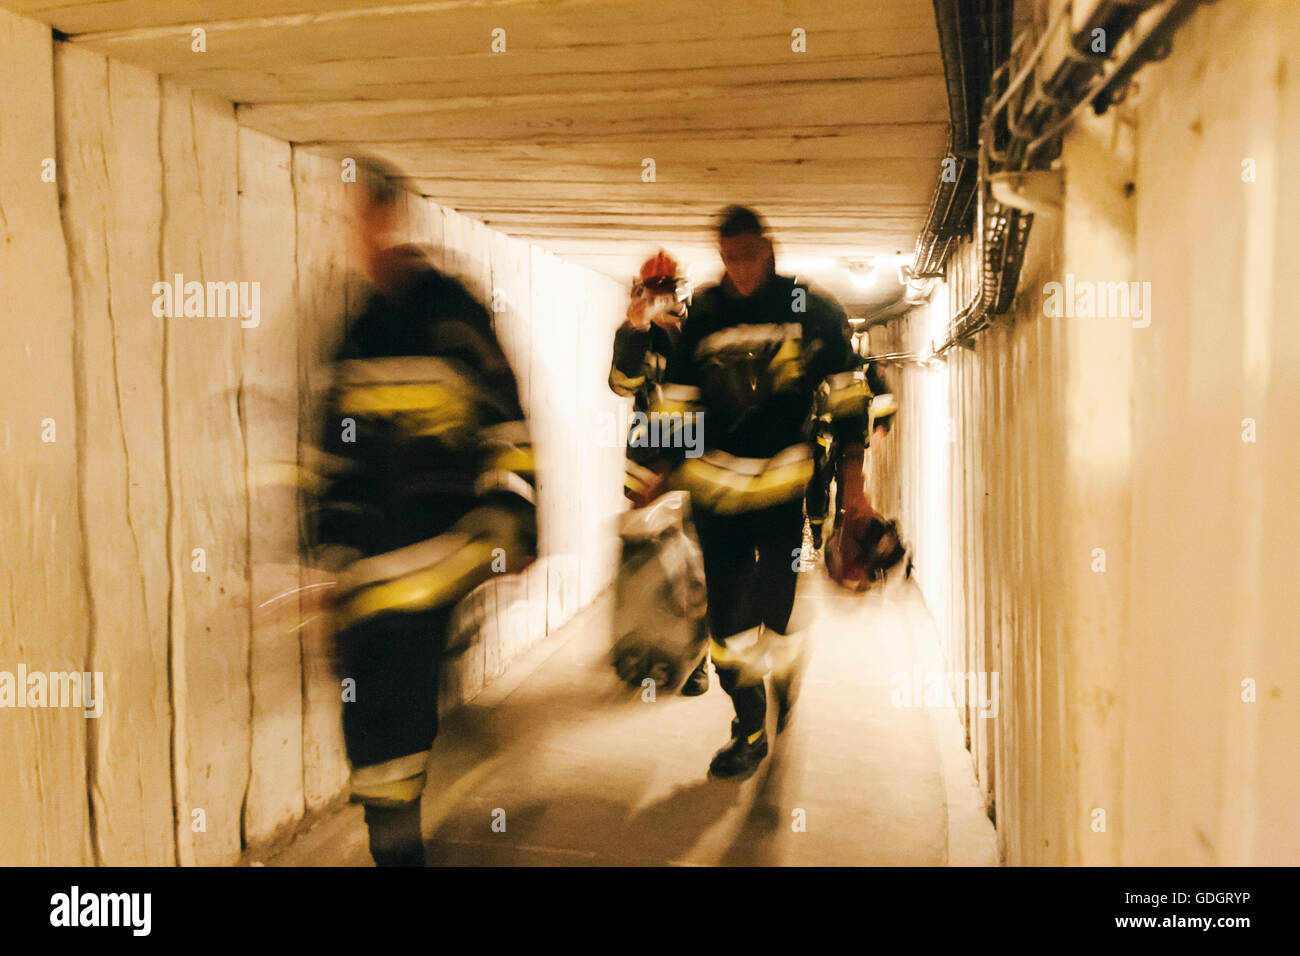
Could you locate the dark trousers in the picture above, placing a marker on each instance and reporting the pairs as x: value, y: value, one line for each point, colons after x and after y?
x: 817, y: 499
x: 395, y: 661
x: 750, y: 569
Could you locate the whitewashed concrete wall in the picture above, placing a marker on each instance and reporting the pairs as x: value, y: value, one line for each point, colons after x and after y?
x: 1098, y: 523
x: 45, y: 619
x: 220, y: 729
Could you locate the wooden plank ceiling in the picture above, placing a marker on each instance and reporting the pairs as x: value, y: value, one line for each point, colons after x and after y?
x: 838, y: 146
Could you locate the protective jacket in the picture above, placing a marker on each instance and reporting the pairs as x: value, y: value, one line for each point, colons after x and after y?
x: 637, y: 371
x: 431, y: 484
x: 752, y: 367
x: 640, y: 359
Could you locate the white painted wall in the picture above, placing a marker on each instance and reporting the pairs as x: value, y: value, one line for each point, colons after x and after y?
x: 1122, y: 689
x: 174, y: 434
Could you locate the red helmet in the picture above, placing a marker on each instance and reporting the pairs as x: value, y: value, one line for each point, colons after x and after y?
x: 659, y: 266
x: 862, y: 549
x: 659, y: 275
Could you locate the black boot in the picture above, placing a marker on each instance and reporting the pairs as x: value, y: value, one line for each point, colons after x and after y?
x: 698, y: 681
x: 741, y: 756
x: 395, y: 838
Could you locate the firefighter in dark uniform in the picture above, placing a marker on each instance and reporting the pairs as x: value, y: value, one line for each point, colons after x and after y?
x: 828, y: 457
x: 642, y: 345
x: 750, y: 358
x: 431, y: 491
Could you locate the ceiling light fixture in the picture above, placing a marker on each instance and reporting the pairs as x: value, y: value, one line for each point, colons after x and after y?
x: 862, y: 271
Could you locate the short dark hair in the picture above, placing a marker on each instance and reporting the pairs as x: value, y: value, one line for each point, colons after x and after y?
x: 739, y: 221
x: 379, y: 178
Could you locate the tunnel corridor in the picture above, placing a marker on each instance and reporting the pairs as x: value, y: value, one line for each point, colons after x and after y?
x: 1063, y: 231
x: 582, y: 773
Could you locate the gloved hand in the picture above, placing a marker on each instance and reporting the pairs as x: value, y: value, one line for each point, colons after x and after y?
x: 500, y: 526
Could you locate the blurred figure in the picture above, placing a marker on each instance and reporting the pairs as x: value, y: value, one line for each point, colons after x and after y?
x: 827, y: 455
x: 431, y: 492
x: 642, y: 344
x: 750, y: 357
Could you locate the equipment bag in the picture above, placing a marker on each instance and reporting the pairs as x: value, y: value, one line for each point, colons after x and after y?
x: 659, y: 616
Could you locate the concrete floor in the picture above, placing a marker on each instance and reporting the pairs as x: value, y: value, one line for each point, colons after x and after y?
x: 588, y: 773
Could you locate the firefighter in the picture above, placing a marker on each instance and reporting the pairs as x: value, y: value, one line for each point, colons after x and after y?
x: 431, y: 492
x: 827, y: 457
x: 750, y: 358
x: 642, y: 344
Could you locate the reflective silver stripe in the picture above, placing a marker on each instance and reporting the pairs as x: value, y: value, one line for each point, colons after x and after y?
x: 398, y: 370
x: 322, y: 462
x: 399, y: 768
x: 640, y: 472
x: 680, y: 393
x: 845, y: 379
x: 726, y: 484
x: 625, y: 385
x: 785, y: 650
x: 847, y: 393
x: 403, y: 561
x: 507, y: 433
x: 756, y: 466
x: 745, y: 653
x: 882, y: 405
x: 504, y: 481
x: 749, y: 336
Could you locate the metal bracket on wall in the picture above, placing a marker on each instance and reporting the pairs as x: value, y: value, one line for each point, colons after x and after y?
x: 1036, y: 191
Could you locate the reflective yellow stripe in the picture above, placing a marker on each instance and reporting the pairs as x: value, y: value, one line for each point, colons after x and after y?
x: 518, y: 460
x: 393, y: 791
x: 676, y: 408
x: 848, y: 394
x: 445, y: 582
x: 624, y: 384
x: 398, y: 780
x: 744, y: 654
x: 388, y: 399
x: 726, y: 490
x: 507, y: 448
x: 721, y: 655
x: 883, y: 405
x: 786, y: 366
x: 420, y: 410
